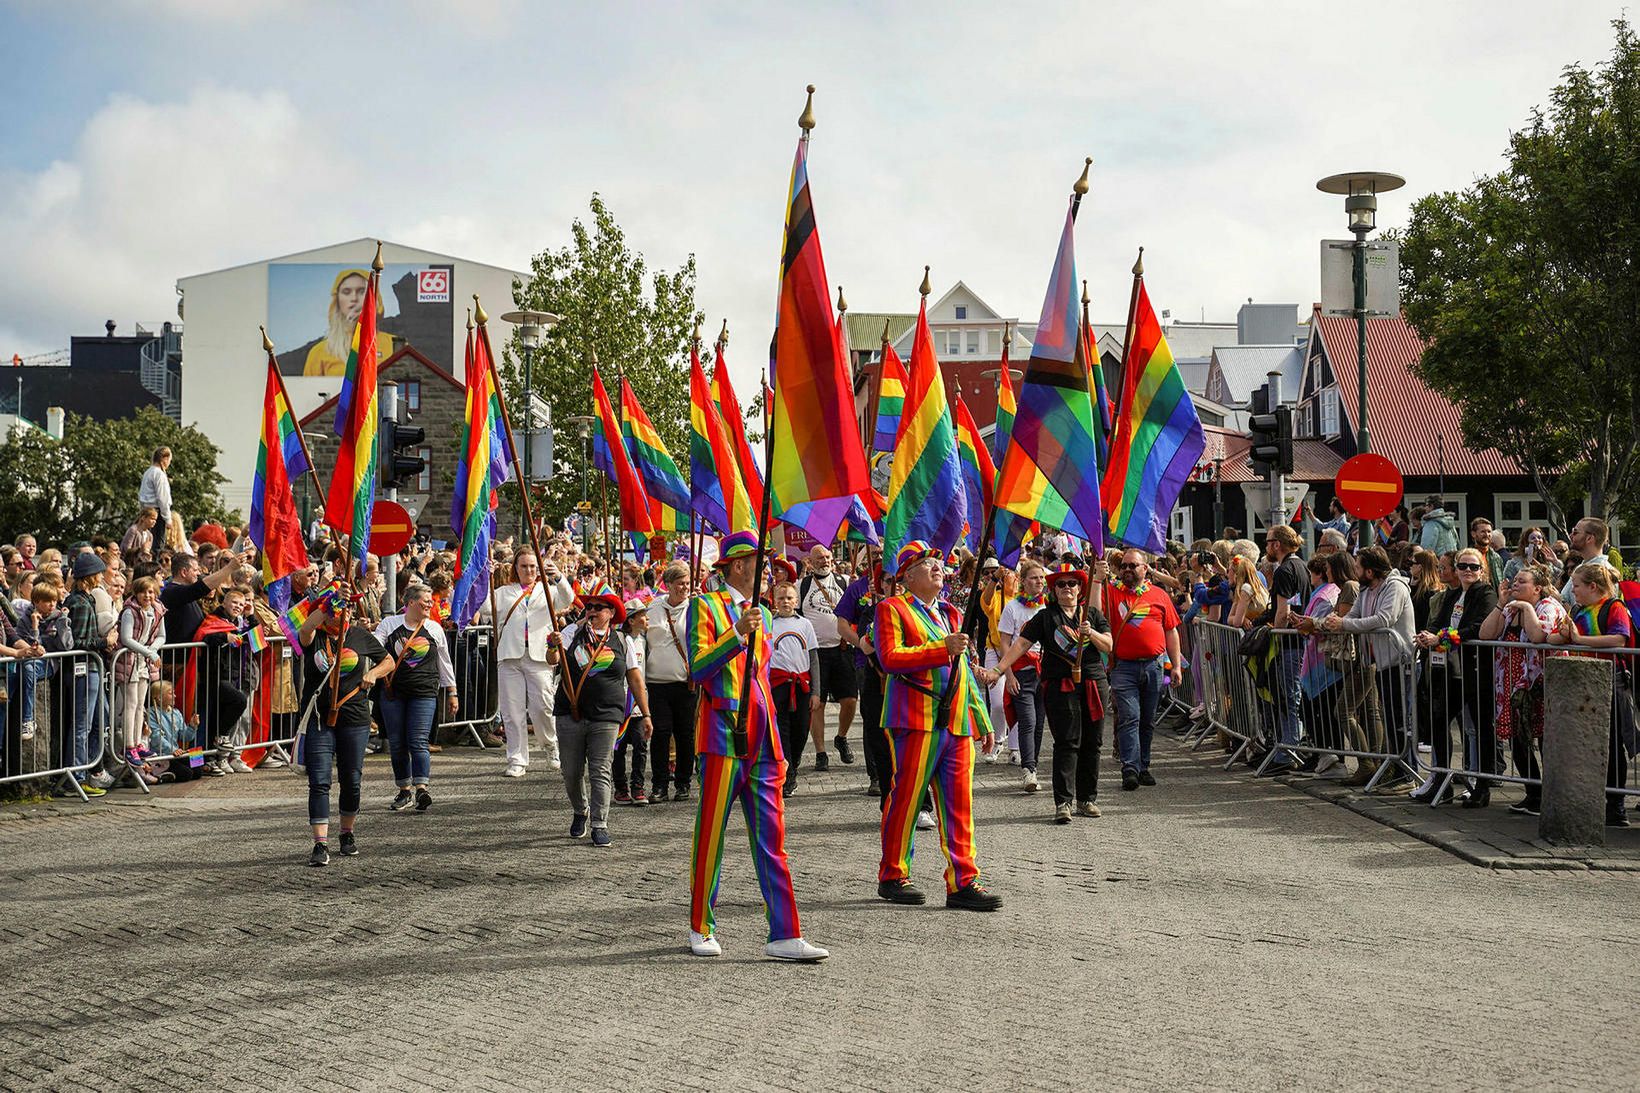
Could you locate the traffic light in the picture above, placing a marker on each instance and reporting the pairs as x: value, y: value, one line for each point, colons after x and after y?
x: 1272, y: 441
x: 396, y: 458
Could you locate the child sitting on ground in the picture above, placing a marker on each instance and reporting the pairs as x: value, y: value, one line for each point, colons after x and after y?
x: 167, y: 735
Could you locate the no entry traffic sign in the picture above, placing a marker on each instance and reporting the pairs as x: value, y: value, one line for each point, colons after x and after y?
x: 1369, y: 485
x: 390, y: 528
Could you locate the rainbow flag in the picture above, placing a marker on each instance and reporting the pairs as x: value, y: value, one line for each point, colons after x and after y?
x: 1158, y: 437
x: 815, y: 447
x: 734, y: 429
x: 274, y: 526
x: 1101, y: 401
x: 1050, y: 471
x: 485, y: 459
x: 925, y: 492
x: 716, y: 493
x: 979, y: 474
x: 1007, y: 403
x: 609, y: 455
x: 353, y: 482
x: 890, y: 401
x: 662, y: 481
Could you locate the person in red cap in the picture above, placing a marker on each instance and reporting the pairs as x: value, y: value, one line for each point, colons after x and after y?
x: 739, y: 754
x: 933, y: 709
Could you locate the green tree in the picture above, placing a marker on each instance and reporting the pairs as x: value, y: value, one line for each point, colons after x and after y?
x: 86, y: 484
x: 637, y: 321
x: 1526, y: 286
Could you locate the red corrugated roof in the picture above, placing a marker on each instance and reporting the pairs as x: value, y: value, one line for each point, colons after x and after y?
x: 1416, y: 428
x: 1313, y: 461
x: 408, y: 353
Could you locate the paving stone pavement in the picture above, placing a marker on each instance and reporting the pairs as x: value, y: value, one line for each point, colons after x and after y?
x: 1210, y: 932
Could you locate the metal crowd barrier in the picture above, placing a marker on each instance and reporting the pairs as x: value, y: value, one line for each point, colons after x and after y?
x: 64, y: 695
x: 472, y: 654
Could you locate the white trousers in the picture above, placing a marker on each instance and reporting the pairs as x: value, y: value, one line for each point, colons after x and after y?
x: 526, y: 692
x: 1007, y: 737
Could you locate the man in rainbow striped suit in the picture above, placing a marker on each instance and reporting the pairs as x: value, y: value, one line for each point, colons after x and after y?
x: 726, y: 640
x: 932, y: 709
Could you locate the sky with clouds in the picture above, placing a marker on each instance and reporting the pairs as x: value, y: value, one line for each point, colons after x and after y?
x: 146, y: 140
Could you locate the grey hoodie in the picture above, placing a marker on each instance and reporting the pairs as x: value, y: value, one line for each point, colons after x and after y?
x: 1384, y: 614
x: 1439, y: 532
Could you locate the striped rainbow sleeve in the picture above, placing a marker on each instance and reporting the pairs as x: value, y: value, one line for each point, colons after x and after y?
x: 905, y: 645
x: 709, y: 651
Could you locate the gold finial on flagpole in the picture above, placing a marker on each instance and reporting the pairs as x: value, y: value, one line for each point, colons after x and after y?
x: 1081, y: 186
x: 842, y: 304
x: 926, y: 287
x: 805, y: 120
x: 478, y: 311
x: 723, y: 335
x: 696, y: 338
x: 1139, y: 264
x: 469, y: 319
x: 267, y: 342
x: 376, y: 263
x: 1084, y: 294
x: 885, y: 331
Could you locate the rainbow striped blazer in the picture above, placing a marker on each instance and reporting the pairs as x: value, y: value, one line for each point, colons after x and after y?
x: 910, y: 640
x: 717, y: 663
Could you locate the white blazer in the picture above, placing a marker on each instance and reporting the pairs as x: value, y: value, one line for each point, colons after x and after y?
x: 531, y: 616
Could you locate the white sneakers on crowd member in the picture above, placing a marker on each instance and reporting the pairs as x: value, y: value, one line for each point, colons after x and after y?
x: 239, y: 765
x: 557, y: 763
x: 794, y: 948
x: 100, y: 779
x: 1030, y: 782
x: 272, y: 761
x: 1328, y: 762
x: 28, y: 730
x: 704, y: 944
x: 513, y: 771
x: 925, y: 820
x: 990, y: 756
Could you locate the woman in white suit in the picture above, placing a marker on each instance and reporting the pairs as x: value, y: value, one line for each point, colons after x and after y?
x: 524, y: 680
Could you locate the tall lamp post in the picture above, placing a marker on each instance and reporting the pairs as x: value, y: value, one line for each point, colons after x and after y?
x: 1361, y: 190
x: 583, y: 429
x: 532, y: 331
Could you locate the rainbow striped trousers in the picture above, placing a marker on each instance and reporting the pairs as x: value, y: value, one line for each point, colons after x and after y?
x: 943, y: 764
x: 723, y: 778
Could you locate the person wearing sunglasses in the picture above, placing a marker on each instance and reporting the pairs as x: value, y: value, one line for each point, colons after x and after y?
x: 1145, y: 630
x: 1073, y: 636
x: 1456, y: 677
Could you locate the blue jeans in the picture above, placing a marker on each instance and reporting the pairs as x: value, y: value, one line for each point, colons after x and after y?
x: 409, y: 725
x: 21, y: 678
x: 1136, y: 686
x: 1029, y: 716
x: 1288, y: 679
x: 88, y: 714
x: 342, y: 748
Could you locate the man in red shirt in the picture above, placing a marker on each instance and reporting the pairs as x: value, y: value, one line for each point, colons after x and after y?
x: 1144, y: 626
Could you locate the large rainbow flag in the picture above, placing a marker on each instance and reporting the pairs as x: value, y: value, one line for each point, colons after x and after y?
x: 353, y: 482
x: 1101, y: 401
x: 815, y: 447
x: 1157, y: 440
x: 1050, y: 471
x: 734, y: 427
x: 1008, y: 531
x: 716, y: 493
x: 925, y: 492
x: 662, y: 481
x: 978, y: 474
x: 609, y: 455
x: 890, y: 400
x: 485, y: 457
x: 274, y: 526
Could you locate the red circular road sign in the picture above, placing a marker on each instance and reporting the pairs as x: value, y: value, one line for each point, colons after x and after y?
x: 1369, y: 486
x: 390, y: 528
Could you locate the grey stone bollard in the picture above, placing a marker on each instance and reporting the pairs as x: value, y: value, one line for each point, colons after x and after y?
x: 1576, y: 729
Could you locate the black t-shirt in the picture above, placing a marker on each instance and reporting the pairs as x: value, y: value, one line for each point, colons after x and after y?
x: 595, y: 670
x: 1291, y: 578
x: 183, y: 611
x: 1056, y: 632
x: 359, y: 651
x: 416, y: 655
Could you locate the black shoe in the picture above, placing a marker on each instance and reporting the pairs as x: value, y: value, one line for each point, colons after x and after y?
x: 349, y: 846
x: 1478, y: 798
x: 403, y: 801
x: 320, y: 855
x: 578, y: 825
x: 973, y: 898
x: 1277, y: 768
x: 1130, y: 778
x: 901, y: 891
x: 1308, y: 764
x: 1255, y: 758
x: 844, y: 751
x: 1617, y: 817
x: 874, y: 789
x: 658, y: 794
x: 1528, y: 807
x: 788, y: 787
x: 424, y: 800
x: 1146, y: 778
x: 681, y: 793
x: 822, y: 762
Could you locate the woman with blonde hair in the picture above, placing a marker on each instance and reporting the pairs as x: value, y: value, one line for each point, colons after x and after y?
x: 1251, y: 598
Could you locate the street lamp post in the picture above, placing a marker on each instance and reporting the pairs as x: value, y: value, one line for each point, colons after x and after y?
x: 583, y: 429
x: 532, y: 331
x: 1361, y: 190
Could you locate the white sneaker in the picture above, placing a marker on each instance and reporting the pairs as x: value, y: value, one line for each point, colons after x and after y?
x: 1030, y: 782
x: 557, y: 764
x: 28, y: 730
x: 100, y: 779
x: 989, y: 756
x: 513, y: 771
x: 1328, y: 762
x: 272, y: 761
x: 794, y: 948
x: 239, y: 765
x: 705, y: 944
x: 925, y: 820
x: 224, y: 766
x: 1424, y: 749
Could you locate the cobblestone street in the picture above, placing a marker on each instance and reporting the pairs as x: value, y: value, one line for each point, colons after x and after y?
x: 1210, y: 932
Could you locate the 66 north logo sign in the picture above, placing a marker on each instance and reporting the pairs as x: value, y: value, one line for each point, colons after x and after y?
x: 433, y: 286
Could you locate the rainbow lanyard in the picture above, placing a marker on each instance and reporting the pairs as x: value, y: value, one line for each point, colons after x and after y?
x: 524, y: 595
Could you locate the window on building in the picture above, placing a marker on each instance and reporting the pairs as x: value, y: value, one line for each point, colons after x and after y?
x: 410, y: 392
x: 1328, y: 406
x: 993, y: 343
x: 962, y: 311
x: 973, y: 343
x: 1514, y: 512
x: 424, y: 482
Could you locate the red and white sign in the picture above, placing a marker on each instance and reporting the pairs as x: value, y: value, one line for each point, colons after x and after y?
x: 391, y: 528
x: 1369, y: 486
x: 433, y: 286
x: 798, y: 541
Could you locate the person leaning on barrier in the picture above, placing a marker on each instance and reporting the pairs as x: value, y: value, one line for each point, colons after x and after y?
x: 1456, y: 676
x: 93, y: 644
x: 1527, y: 614
x: 1601, y: 621
x: 1383, y: 613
